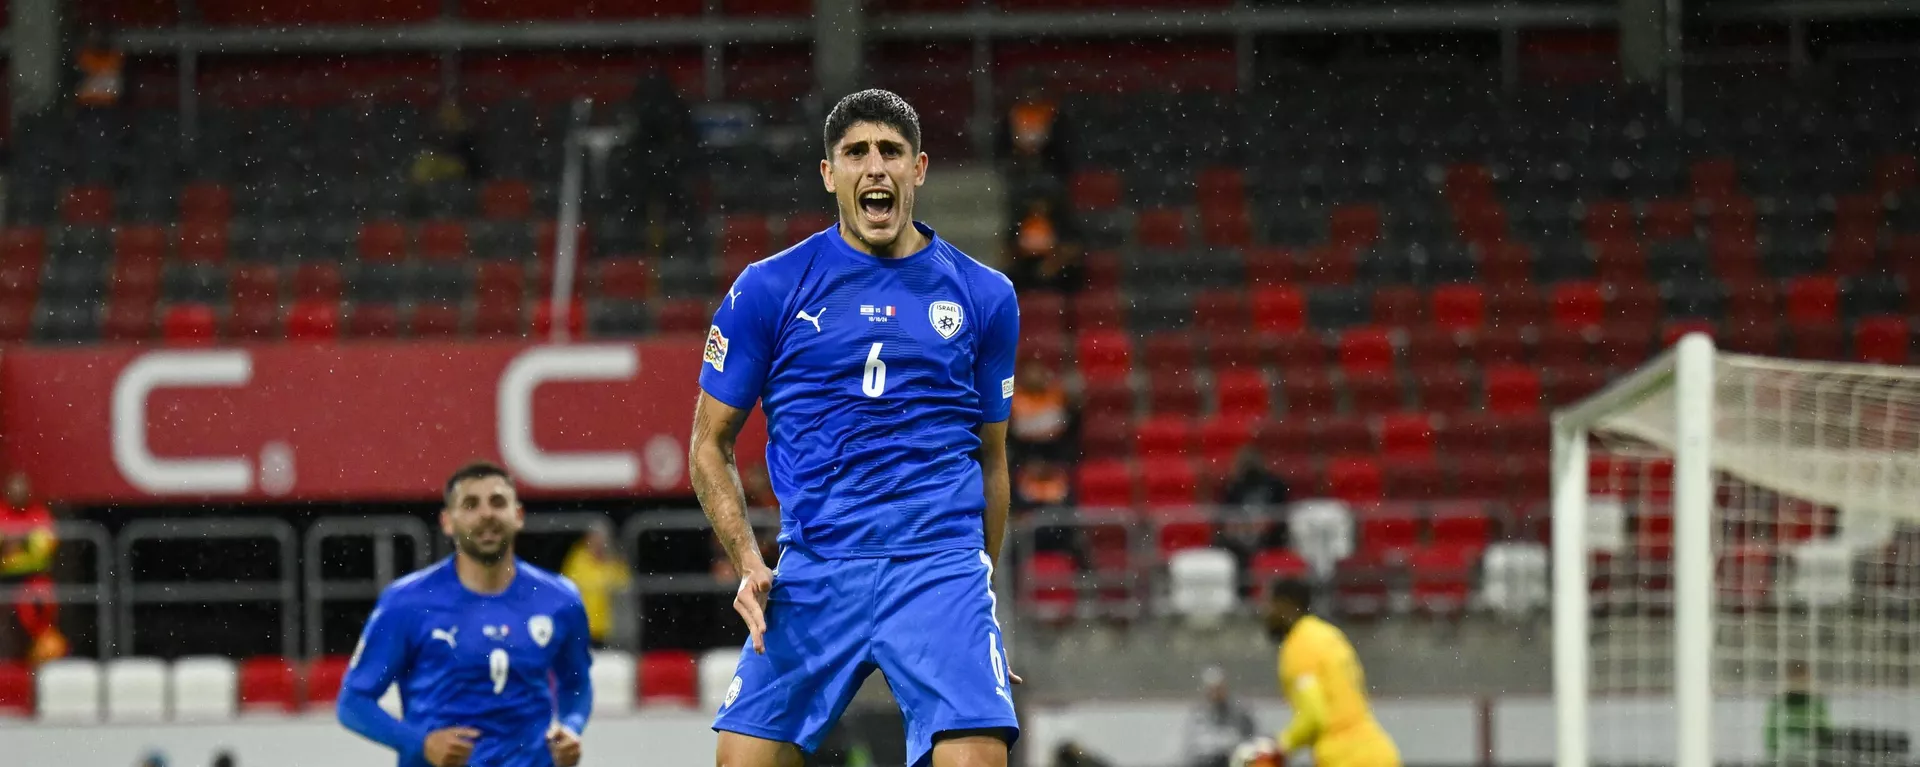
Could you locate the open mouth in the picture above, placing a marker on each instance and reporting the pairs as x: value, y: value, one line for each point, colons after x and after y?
x: 877, y: 205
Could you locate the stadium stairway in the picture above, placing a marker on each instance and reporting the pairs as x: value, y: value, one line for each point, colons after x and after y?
x: 967, y: 204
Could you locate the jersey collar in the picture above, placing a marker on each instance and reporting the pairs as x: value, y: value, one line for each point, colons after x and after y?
x: 840, y: 243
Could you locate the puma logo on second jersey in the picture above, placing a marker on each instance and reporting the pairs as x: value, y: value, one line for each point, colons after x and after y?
x: 445, y: 634
x: 814, y: 318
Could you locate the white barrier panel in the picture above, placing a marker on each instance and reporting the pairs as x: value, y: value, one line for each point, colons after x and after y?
x: 1443, y: 731
x: 318, y: 741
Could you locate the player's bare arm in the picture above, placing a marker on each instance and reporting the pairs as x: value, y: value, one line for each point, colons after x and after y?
x: 716, y: 481
x: 998, y: 484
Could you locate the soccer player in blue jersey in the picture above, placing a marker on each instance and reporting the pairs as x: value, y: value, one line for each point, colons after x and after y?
x: 491, y: 653
x: 883, y: 358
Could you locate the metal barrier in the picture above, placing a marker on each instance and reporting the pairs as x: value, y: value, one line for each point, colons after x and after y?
x: 98, y: 592
x: 383, y: 531
x: 1118, y: 585
x: 283, y: 590
x: 678, y: 583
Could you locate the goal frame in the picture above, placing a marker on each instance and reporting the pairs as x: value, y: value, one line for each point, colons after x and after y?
x: 1688, y: 369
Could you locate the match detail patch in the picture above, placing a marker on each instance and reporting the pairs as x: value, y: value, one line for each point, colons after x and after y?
x: 1006, y: 388
x: 716, y: 354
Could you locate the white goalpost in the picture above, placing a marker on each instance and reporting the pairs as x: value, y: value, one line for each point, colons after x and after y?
x: 1737, y: 564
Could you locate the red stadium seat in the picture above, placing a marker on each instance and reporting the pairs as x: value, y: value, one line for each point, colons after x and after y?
x: 317, y: 282
x: 255, y: 319
x: 254, y: 282
x: 1813, y: 300
x: 1105, y: 483
x: 1220, y: 187
x: 1513, y: 389
x: 443, y: 240
x: 1441, y: 577
x: 1578, y: 305
x: 1221, y: 439
x: 1459, y: 307
x: 506, y: 199
x: 16, y: 318
x: 1270, y: 565
x: 1279, y: 310
x: 23, y: 246
x: 1173, y: 392
x: 1625, y: 345
x: 1098, y: 311
x: 16, y: 690
x: 324, y: 675
x: 1529, y: 479
x: 1239, y: 351
x: 1242, y: 394
x: 1182, y: 532
x: 1109, y: 437
x: 1107, y: 397
x: 1305, y: 350
x: 1473, y: 431
x: 1171, y: 351
x: 507, y: 280
x: 1355, y: 480
x: 1634, y: 302
x: 189, y: 325
x: 1413, y: 478
x: 1307, y: 392
x: 1366, y: 349
x: 1564, y: 346
x: 1104, y: 354
x: 498, y: 315
x: 205, y: 202
x: 1569, y: 384
x: 1336, y: 263
x: 142, y: 243
x: 1478, y: 474
x: 1164, y: 438
x: 1269, y: 266
x: 1399, y: 306
x: 668, y: 677
x: 1517, y: 307
x: 1734, y: 256
x: 1048, y: 585
x: 268, y: 683
x: 1169, y: 482
x: 1161, y: 229
x: 383, y: 241
x: 1716, y: 178
x: 626, y: 279
x: 1882, y: 340
x: 1387, y: 530
x: 1406, y: 436
x: 1752, y: 337
x: 1893, y: 173
x: 312, y: 320
x: 1460, y: 523
x: 1818, y: 341
x: 1291, y: 438
x: 1751, y: 301
x: 87, y: 205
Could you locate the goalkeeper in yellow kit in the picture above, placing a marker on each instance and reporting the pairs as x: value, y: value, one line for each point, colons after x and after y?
x: 1326, y: 687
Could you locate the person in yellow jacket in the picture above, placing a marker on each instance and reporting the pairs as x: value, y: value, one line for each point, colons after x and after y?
x: 1323, y: 682
x: 601, y: 575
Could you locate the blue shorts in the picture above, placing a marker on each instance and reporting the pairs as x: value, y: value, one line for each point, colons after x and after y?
x: 926, y: 622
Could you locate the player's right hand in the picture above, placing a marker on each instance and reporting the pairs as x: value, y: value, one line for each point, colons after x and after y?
x: 450, y: 747
x: 750, y: 601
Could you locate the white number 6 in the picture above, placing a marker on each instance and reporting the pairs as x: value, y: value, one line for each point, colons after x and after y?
x: 875, y: 380
x: 497, y: 663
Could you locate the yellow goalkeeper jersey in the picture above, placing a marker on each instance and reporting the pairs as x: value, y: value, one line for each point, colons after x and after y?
x: 1323, y: 681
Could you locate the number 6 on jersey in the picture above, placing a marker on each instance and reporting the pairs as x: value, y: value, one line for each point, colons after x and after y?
x: 875, y: 380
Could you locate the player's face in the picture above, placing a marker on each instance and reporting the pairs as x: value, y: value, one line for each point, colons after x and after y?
x: 482, y: 517
x: 873, y: 174
x: 1281, y: 615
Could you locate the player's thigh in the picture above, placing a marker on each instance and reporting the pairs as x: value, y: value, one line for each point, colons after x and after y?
x: 737, y: 750
x: 938, y: 643
x: 816, y: 653
x: 1358, y: 752
x: 970, y: 748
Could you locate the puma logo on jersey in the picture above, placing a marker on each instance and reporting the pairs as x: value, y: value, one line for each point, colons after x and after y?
x: 446, y: 634
x: 815, y: 318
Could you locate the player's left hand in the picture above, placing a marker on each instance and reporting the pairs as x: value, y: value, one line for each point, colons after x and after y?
x: 564, y: 744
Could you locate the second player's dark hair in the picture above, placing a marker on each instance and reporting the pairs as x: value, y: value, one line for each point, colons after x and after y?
x: 873, y: 106
x: 475, y: 470
x: 1295, y: 591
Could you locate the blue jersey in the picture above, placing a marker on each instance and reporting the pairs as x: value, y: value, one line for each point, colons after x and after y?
x: 875, y: 375
x: 509, y: 665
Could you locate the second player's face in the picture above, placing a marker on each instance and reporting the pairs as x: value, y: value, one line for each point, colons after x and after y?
x: 873, y: 174
x: 482, y: 518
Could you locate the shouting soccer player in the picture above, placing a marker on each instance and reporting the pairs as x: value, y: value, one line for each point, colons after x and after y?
x: 883, y: 358
x: 1325, y: 686
x: 472, y: 641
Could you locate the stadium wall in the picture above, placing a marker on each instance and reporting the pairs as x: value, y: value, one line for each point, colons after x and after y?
x: 1511, y: 731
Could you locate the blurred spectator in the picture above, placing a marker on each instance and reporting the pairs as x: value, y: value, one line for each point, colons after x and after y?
x: 1071, y: 754
x: 1041, y: 482
x: 1217, y: 724
x: 223, y: 759
x: 1044, y: 250
x: 1032, y: 137
x: 1251, y: 505
x: 664, y: 142
x: 29, y: 625
x: 154, y: 759
x: 1042, y: 418
x: 1796, y: 719
x: 600, y: 573
x: 102, y: 72
x: 450, y: 153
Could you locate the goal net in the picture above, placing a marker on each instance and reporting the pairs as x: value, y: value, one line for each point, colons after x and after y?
x: 1737, y: 565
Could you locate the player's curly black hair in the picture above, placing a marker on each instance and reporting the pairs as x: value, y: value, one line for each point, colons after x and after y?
x: 475, y: 470
x: 873, y: 105
x: 1294, y: 591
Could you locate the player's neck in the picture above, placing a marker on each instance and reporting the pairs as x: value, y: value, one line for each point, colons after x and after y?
x: 908, y: 243
x: 482, y: 578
